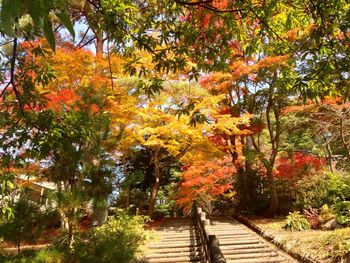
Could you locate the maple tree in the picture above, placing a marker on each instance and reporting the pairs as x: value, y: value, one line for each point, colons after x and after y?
x: 162, y: 134
x: 204, y: 181
x: 328, y: 121
x: 295, y: 165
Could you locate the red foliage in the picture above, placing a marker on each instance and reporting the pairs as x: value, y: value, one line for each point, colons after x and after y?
x: 312, y: 216
x: 204, y: 181
x: 63, y: 98
x: 298, y: 164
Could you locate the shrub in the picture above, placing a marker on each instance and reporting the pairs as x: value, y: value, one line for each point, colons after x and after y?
x: 312, y: 216
x: 342, y: 209
x: 119, y: 240
x: 50, y: 255
x: 326, y: 214
x: 24, y: 225
x: 296, y: 221
x: 330, y: 189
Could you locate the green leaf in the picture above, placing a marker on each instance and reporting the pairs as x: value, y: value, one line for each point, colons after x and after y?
x: 37, y: 12
x: 66, y: 21
x: 49, y: 34
x: 10, y: 9
x: 9, y: 185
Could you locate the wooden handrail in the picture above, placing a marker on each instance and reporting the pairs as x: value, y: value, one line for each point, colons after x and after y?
x: 209, y: 240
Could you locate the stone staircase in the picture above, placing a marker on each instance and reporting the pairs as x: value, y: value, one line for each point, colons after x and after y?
x: 176, y: 241
x: 239, y: 244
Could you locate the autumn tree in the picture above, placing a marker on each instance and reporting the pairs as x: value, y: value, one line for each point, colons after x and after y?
x: 328, y: 125
x: 69, y: 130
x: 163, y: 135
x: 204, y: 182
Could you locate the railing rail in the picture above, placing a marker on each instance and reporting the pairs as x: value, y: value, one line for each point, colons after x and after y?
x: 209, y: 240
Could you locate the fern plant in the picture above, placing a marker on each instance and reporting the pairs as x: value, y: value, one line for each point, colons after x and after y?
x: 296, y: 222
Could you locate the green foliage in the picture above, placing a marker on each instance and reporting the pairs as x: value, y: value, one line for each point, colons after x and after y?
x: 342, y: 210
x: 315, y: 191
x: 24, y: 226
x: 326, y: 214
x: 7, y: 186
x: 40, y: 13
x: 48, y: 256
x: 119, y: 240
x: 337, y: 244
x: 296, y: 221
x: 165, y: 205
x: 329, y: 192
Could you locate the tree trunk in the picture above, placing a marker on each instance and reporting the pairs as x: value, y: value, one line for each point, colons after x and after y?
x: 99, y: 43
x: 155, y: 188
x: 19, y: 245
x: 153, y: 197
x: 273, y: 193
x: 70, y: 234
x: 127, y: 201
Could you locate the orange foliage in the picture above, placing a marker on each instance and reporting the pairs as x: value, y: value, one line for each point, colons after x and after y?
x: 312, y: 106
x: 271, y: 62
x: 205, y: 181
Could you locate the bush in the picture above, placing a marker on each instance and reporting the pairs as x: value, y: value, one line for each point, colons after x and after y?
x: 326, y: 214
x: 342, y: 210
x: 49, y: 255
x: 332, y: 190
x: 296, y: 221
x: 26, y: 256
x: 313, y: 217
x: 327, y: 189
x: 119, y: 240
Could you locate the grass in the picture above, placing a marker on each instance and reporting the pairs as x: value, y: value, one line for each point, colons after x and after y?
x: 324, y: 246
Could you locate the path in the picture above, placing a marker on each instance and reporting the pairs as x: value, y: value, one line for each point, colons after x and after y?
x: 178, y: 242
x: 239, y: 244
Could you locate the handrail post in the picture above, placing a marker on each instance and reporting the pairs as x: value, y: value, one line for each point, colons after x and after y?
x: 215, y: 251
x: 210, y: 242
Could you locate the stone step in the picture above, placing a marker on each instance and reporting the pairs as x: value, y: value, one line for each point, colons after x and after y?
x: 173, y: 255
x: 169, y: 233
x: 238, y: 242
x: 236, y: 235
x: 258, y: 260
x: 242, y: 246
x: 182, y: 239
x: 174, y: 259
x: 225, y: 224
x: 179, y: 238
x: 184, y: 228
x: 173, y: 245
x: 228, y: 230
x: 247, y: 250
x: 177, y: 249
x: 239, y: 239
x: 271, y: 254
